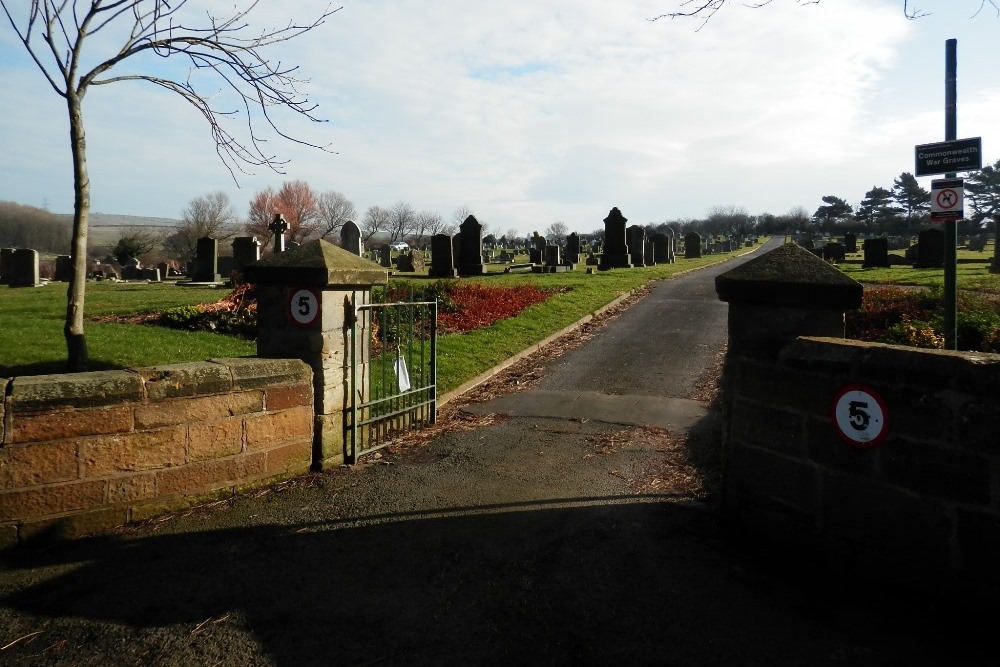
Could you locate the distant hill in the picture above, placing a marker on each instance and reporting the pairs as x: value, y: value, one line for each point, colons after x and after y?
x: 112, y: 220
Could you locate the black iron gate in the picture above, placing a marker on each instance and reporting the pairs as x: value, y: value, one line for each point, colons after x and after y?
x: 393, y: 373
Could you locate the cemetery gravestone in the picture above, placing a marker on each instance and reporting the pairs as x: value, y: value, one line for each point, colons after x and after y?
x: 24, y: 268
x: 930, y: 249
x: 246, y: 250
x: 636, y: 237
x: 851, y: 242
x: 647, y: 254
x: 876, y: 253
x: 64, y: 268
x: 692, y: 245
x: 350, y: 238
x: 443, y: 264
x: 834, y: 252
x: 661, y: 248
x: 6, y: 265
x: 131, y: 269
x: 470, y: 258
x: 573, y: 249
x: 385, y: 256
x: 278, y: 227
x: 616, y: 251
x: 206, y: 261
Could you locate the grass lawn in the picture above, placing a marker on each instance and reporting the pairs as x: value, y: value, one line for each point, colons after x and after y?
x: 31, y: 328
x: 31, y: 322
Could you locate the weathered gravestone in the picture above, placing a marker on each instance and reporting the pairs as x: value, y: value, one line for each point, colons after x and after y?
x: 648, y: 256
x: 977, y: 243
x: 246, y: 251
x: 6, y: 265
x: 64, y: 268
x: 385, y: 256
x: 636, y: 238
x: 206, y: 261
x: 410, y: 262
x: 131, y: 269
x: 456, y: 249
x: 443, y: 262
x: 692, y: 245
x: 572, y: 249
x: 536, y: 249
x: 876, y: 253
x: 616, y: 251
x: 851, y: 242
x: 470, y: 258
x: 930, y: 249
x: 671, y: 245
x: 834, y: 252
x: 350, y: 238
x: 553, y: 261
x: 661, y: 248
x: 24, y: 268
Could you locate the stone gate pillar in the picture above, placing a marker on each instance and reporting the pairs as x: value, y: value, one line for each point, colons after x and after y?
x: 302, y: 299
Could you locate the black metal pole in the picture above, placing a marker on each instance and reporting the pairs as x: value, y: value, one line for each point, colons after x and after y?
x: 951, y: 226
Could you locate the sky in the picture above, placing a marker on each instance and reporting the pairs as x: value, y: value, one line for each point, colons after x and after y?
x: 528, y: 112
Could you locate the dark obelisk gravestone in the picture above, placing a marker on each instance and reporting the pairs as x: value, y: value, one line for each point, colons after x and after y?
x: 470, y: 258
x: 616, y: 255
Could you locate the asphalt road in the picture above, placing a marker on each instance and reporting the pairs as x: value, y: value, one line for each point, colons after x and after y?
x: 555, y: 539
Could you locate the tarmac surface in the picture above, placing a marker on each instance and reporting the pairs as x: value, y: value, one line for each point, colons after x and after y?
x: 568, y: 523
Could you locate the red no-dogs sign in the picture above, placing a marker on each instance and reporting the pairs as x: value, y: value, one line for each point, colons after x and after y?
x: 860, y: 416
x: 304, y: 307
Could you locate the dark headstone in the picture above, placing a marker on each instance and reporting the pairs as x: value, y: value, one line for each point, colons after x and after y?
x: 6, y: 265
x: 131, y: 269
x: 977, y: 243
x: 24, y: 268
x: 206, y: 262
x: 573, y: 249
x: 470, y: 258
x: 616, y: 254
x: 246, y: 250
x: 385, y: 256
x: 661, y: 248
x: 350, y: 238
x: 876, y: 253
x: 692, y: 245
x: 834, y: 252
x: 443, y: 262
x: 930, y: 249
x: 851, y: 242
x: 636, y: 238
x: 64, y: 268
x: 410, y: 262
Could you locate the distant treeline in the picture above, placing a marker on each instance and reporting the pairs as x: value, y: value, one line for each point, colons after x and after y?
x: 29, y: 227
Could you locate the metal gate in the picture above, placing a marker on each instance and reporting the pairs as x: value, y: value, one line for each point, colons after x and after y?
x: 393, y: 373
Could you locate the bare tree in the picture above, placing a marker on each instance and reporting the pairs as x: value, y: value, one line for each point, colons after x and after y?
x: 376, y: 220
x: 58, y: 33
x: 557, y: 231
x: 209, y: 215
x: 706, y: 9
x: 402, y: 220
x: 134, y: 242
x: 459, y: 215
x: 425, y: 225
x: 334, y: 210
x: 263, y: 206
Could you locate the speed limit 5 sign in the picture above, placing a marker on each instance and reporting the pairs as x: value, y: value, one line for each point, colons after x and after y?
x: 304, y: 307
x: 860, y: 416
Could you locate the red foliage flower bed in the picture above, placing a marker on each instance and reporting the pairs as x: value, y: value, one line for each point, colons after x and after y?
x: 474, y: 306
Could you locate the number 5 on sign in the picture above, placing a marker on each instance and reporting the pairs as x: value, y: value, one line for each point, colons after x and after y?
x: 303, y: 307
x: 860, y: 416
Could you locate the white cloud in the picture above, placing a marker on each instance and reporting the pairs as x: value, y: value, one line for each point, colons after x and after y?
x: 529, y: 112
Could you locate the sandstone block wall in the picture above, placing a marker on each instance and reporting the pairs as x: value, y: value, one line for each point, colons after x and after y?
x: 921, y: 509
x: 90, y: 451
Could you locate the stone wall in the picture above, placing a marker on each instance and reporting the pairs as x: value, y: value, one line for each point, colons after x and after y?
x: 921, y: 508
x: 91, y: 451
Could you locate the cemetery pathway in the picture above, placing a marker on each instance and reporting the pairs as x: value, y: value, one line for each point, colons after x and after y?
x: 496, y: 539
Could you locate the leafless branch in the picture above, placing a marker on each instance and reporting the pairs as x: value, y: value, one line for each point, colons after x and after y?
x: 704, y: 10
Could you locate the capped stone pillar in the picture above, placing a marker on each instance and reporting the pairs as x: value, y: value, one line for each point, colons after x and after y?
x: 302, y: 300
x: 781, y: 295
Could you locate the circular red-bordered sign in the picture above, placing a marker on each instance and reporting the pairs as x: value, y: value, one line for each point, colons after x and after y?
x: 947, y: 199
x: 860, y: 416
x: 304, y: 307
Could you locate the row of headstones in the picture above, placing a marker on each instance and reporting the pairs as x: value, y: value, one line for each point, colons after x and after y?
x: 927, y: 253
